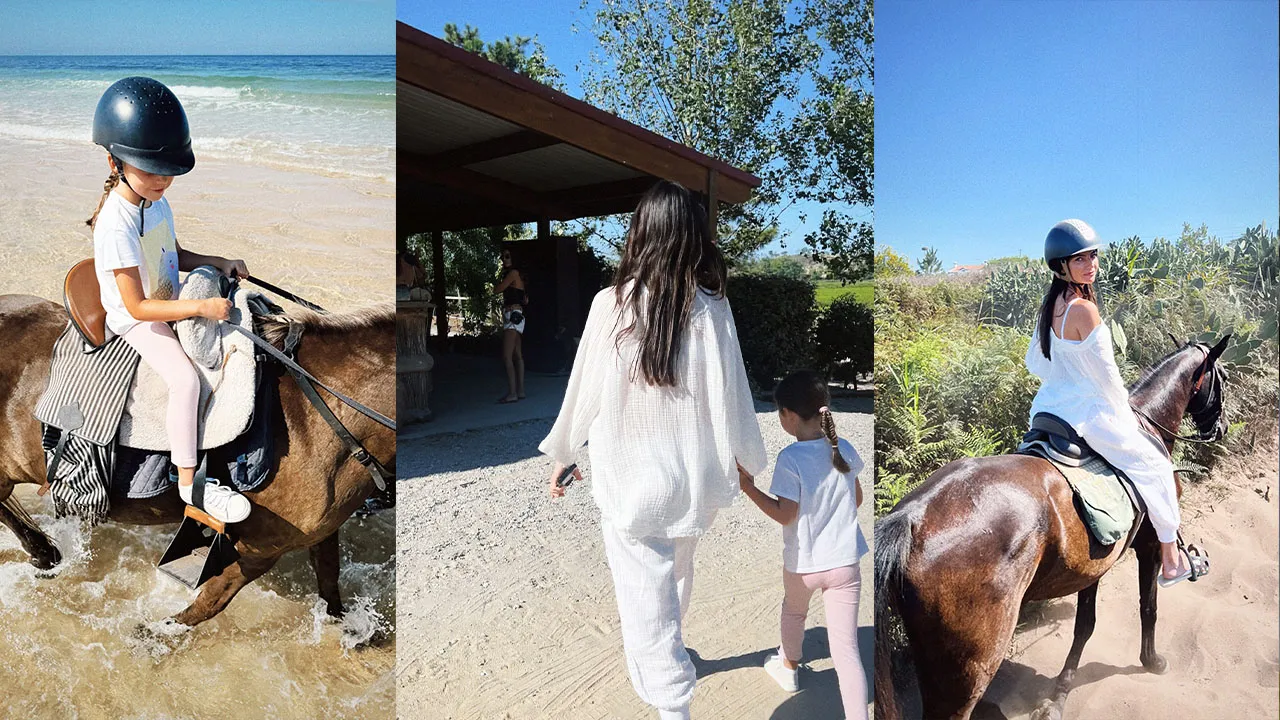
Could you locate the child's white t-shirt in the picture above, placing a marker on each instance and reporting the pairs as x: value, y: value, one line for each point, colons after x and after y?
x: 118, y: 244
x: 825, y: 533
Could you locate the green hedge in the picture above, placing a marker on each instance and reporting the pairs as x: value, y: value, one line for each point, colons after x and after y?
x: 844, y: 338
x: 774, y: 316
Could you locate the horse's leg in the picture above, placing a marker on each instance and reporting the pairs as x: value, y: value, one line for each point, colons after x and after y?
x: 959, y: 658
x: 44, y: 555
x: 325, y: 560
x: 1148, y: 567
x: 1086, y: 617
x: 219, y: 590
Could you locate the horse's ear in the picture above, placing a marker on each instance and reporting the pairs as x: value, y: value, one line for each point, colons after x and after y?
x: 1216, y: 352
x: 1177, y: 344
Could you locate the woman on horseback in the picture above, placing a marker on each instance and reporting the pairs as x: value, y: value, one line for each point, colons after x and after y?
x: 137, y: 258
x: 659, y: 388
x: 1072, y: 354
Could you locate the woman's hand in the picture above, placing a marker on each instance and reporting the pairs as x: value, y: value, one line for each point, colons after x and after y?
x: 233, y: 268
x: 556, y: 490
x: 215, y: 308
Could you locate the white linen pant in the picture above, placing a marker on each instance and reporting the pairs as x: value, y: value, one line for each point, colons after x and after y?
x: 652, y: 581
x: 1142, y: 462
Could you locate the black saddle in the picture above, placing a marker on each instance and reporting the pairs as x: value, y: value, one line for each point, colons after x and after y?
x: 1063, y: 442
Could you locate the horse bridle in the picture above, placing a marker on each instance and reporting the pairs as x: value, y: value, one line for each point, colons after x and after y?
x: 1211, y: 403
x: 307, y: 382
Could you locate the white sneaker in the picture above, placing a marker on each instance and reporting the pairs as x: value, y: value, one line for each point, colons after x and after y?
x: 781, y: 674
x: 221, y: 502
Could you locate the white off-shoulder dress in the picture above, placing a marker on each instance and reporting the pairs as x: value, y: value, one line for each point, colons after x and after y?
x: 663, y: 462
x: 1081, y: 384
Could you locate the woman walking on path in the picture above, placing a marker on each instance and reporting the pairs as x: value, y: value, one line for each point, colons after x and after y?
x: 659, y: 389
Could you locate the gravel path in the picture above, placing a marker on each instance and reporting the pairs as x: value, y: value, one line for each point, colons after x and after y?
x: 506, y: 609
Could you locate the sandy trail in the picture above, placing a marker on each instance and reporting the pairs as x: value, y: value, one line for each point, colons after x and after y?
x: 506, y: 608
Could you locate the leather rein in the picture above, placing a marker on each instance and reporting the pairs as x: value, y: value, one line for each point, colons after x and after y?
x: 307, y: 382
x: 1201, y: 440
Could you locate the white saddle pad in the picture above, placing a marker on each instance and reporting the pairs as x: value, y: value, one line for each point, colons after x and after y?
x: 226, y: 389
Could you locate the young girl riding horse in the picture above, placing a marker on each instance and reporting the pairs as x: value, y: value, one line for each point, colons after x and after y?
x: 1072, y: 355
x: 659, y: 388
x: 137, y: 258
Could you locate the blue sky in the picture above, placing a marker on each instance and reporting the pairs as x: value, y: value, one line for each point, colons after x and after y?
x: 553, y: 24
x: 995, y: 120
x: 187, y: 27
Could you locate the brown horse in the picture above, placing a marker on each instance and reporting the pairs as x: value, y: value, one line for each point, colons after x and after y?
x: 313, y: 490
x: 958, y: 556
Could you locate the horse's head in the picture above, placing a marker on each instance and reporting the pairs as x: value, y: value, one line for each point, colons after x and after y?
x: 1209, y: 382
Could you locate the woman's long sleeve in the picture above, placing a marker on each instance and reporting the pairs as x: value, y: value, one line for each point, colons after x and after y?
x: 748, y: 445
x: 586, y: 384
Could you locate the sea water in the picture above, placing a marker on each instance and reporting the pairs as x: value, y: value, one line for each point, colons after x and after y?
x: 319, y: 113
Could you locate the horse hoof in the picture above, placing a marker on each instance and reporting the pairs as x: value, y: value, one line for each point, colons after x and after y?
x: 1047, y: 710
x: 47, y: 560
x: 1155, y: 664
x: 158, y: 639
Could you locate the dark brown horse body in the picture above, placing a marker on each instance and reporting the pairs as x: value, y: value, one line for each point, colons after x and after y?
x: 960, y: 554
x: 314, y: 489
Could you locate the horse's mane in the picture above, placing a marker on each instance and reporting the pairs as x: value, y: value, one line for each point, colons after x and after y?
x: 1147, y: 382
x: 274, y: 328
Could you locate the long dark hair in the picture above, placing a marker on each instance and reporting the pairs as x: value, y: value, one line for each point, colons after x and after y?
x: 804, y: 393
x: 1060, y: 287
x: 670, y: 253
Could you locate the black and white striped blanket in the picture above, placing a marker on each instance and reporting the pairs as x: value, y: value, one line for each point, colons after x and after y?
x: 95, y: 384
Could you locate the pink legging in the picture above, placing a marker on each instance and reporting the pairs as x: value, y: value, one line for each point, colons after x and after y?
x: 840, y: 587
x: 160, y: 349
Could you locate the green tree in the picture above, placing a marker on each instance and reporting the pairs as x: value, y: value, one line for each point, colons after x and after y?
x: 519, y: 54
x: 729, y: 79
x: 929, y: 264
x: 890, y: 264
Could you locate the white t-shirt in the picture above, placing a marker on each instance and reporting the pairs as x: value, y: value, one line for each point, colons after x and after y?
x: 117, y: 243
x: 825, y: 533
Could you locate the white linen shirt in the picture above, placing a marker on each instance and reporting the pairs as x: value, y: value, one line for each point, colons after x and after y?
x: 663, y: 459
x: 1081, y: 382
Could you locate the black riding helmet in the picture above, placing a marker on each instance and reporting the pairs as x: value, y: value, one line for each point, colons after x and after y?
x: 141, y: 122
x: 1067, y: 238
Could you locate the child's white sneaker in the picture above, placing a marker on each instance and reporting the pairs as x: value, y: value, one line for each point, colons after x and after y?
x: 781, y: 674
x: 221, y: 502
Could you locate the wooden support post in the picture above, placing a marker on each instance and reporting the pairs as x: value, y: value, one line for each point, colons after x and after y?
x: 713, y: 207
x: 437, y: 262
x: 544, y: 228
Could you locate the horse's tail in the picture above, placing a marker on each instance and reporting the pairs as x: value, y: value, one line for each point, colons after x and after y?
x: 893, y: 542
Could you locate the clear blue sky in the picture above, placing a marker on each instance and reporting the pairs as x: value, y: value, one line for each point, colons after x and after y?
x: 995, y: 120
x: 188, y: 27
x: 569, y: 51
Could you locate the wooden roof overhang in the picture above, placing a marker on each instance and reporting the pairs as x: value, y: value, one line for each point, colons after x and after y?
x: 478, y: 145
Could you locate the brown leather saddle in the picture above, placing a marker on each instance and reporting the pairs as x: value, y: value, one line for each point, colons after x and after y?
x: 83, y: 301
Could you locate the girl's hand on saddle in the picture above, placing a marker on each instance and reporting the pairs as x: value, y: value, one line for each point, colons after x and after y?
x: 215, y: 308
x: 554, y: 485
x: 233, y: 268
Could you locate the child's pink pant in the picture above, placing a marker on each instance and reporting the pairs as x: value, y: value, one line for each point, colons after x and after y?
x: 160, y: 349
x: 840, y: 587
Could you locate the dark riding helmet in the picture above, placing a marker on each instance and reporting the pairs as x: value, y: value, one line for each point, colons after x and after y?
x: 1067, y: 238
x: 141, y: 122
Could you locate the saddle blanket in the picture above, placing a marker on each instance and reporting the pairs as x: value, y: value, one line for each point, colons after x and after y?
x: 1103, y: 504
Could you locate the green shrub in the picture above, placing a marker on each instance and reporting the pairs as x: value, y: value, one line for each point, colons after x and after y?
x: 844, y: 338
x: 774, y: 317
x: 1013, y: 293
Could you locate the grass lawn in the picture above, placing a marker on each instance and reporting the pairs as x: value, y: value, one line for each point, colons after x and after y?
x: 828, y: 290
